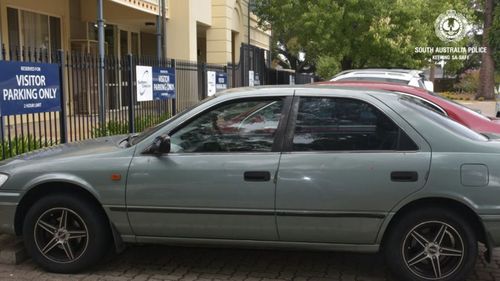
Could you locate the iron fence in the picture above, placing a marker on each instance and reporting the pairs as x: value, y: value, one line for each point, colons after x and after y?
x: 79, y: 118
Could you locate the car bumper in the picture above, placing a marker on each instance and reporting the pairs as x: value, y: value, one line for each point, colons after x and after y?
x: 8, y: 206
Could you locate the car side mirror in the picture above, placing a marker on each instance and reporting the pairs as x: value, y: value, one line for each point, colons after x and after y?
x: 161, y: 145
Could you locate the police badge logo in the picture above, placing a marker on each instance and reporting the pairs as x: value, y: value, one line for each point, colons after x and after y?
x: 451, y: 26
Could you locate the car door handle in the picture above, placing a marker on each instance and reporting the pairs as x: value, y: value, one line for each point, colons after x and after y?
x: 257, y: 176
x: 403, y: 176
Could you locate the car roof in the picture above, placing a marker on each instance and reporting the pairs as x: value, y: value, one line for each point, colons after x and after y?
x: 311, y: 89
x: 289, y: 90
x: 386, y: 86
x: 406, y: 74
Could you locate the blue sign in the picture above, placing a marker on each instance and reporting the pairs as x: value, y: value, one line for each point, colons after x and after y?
x: 163, y: 83
x: 27, y: 87
x: 221, y: 81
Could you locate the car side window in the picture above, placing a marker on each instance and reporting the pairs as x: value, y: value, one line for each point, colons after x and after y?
x: 342, y: 124
x: 241, y: 126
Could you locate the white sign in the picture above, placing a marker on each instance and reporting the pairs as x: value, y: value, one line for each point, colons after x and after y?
x: 144, y: 79
x: 211, y: 87
x: 251, y: 78
x: 292, y: 80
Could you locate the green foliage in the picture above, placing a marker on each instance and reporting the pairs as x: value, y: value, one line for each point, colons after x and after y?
x: 327, y: 66
x: 19, y: 145
x: 469, y: 82
x: 458, y: 96
x: 119, y: 128
x: 358, y: 33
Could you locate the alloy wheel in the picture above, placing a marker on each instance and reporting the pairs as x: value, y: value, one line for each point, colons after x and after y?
x: 61, y: 235
x: 433, y: 250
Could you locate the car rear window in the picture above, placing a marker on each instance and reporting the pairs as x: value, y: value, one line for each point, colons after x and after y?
x: 444, y: 121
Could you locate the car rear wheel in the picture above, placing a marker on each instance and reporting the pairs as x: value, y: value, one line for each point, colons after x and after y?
x: 431, y: 244
x: 65, y: 234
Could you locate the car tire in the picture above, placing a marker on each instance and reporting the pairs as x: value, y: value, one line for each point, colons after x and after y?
x: 431, y: 244
x: 65, y: 234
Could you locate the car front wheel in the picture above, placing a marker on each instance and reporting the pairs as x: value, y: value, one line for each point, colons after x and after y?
x: 65, y: 234
x: 431, y: 244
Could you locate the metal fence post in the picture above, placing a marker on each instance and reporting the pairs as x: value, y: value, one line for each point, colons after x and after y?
x: 227, y: 76
x: 244, y: 71
x: 62, y: 112
x: 203, y: 80
x: 1, y: 115
x: 174, y: 106
x: 131, y: 113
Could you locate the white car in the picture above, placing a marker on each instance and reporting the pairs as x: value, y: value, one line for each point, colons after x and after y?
x: 410, y: 77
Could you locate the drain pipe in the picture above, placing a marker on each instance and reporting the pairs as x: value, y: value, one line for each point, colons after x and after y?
x: 102, y: 99
x: 159, y: 45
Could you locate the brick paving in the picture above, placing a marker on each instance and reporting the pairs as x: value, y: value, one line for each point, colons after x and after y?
x: 153, y: 263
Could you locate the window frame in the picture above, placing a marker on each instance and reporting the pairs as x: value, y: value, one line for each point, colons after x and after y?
x: 432, y: 104
x: 20, y: 26
x: 278, y: 140
x: 290, y: 129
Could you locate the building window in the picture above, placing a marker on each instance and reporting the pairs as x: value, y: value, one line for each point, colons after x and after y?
x: 31, y: 30
x: 13, y: 27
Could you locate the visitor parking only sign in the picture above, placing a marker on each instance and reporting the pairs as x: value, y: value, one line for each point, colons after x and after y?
x: 29, y: 88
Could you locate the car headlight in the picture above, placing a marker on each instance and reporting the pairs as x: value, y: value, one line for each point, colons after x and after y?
x: 3, y: 179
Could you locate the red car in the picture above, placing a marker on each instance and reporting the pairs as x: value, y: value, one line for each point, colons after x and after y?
x: 486, y: 125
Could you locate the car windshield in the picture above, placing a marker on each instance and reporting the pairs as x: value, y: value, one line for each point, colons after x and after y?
x: 444, y: 121
x: 149, y: 131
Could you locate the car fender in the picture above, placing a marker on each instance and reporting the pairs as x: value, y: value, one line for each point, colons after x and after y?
x: 421, y: 196
x: 61, y: 177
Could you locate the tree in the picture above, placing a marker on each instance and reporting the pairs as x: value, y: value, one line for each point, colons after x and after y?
x: 343, y: 34
x: 494, y: 37
x: 487, y: 71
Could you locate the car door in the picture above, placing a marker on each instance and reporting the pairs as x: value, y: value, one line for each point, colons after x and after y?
x: 218, y: 179
x: 348, y: 162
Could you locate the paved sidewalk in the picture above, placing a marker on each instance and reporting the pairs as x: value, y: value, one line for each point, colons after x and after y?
x: 204, y: 264
x: 487, y: 107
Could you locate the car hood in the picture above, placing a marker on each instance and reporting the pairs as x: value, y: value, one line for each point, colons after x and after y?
x: 75, y: 149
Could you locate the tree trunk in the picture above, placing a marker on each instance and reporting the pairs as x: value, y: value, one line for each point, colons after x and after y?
x: 487, y: 71
x: 346, y: 63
